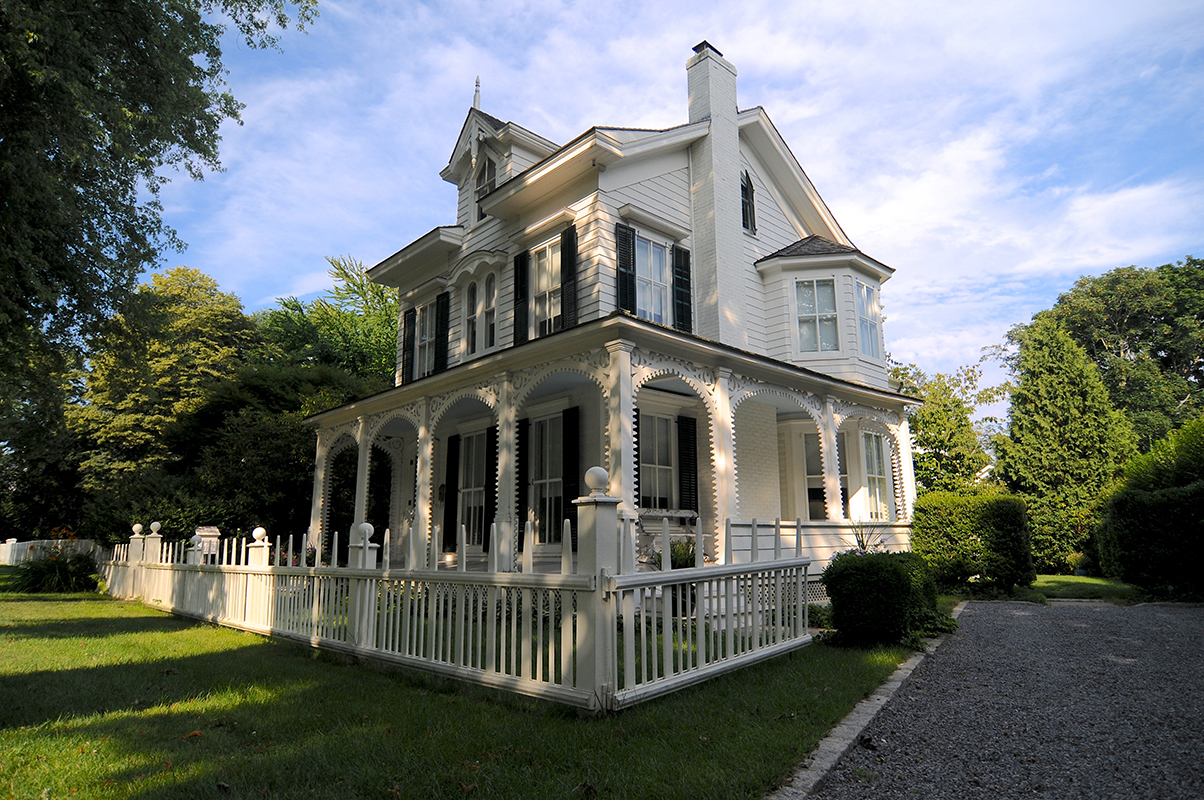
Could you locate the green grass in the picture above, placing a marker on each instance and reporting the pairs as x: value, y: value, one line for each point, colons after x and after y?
x: 1079, y: 587
x: 109, y: 699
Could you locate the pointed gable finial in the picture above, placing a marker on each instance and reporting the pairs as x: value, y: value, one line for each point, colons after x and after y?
x: 476, y: 96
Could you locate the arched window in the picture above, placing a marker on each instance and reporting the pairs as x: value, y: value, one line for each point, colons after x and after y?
x: 470, y: 319
x: 490, y: 311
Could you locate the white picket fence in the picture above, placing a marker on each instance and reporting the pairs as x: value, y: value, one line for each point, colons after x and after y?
x: 13, y: 552
x: 600, y: 634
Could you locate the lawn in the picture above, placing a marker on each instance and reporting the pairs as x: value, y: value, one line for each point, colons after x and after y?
x: 1081, y: 587
x: 110, y: 699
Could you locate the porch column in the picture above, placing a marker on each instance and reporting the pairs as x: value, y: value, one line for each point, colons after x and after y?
x: 905, y: 479
x: 426, y: 457
x: 620, y: 434
x: 507, y: 440
x: 725, y: 451
x: 361, y: 471
x: 827, y: 435
x: 319, y: 495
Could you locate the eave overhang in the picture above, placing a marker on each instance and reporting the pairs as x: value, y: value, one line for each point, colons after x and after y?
x: 856, y: 260
x: 591, y: 152
x: 595, y: 334
x: 762, y: 136
x: 427, y: 254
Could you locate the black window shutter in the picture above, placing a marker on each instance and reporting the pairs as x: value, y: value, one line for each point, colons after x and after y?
x: 683, y: 306
x: 522, y: 435
x: 568, y: 276
x: 442, y: 326
x: 522, y: 268
x: 635, y: 452
x: 490, y: 485
x: 451, y: 495
x: 409, y: 321
x: 687, y: 463
x: 625, y: 264
x: 570, y: 480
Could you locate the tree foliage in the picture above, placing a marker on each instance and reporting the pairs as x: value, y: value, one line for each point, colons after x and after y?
x: 948, y: 454
x: 97, y: 98
x: 353, y: 326
x: 1065, y: 443
x: 174, y: 339
x: 1144, y: 329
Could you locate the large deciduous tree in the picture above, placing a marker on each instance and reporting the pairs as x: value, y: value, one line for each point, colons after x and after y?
x: 97, y: 98
x: 948, y: 454
x: 1065, y: 443
x: 1144, y: 329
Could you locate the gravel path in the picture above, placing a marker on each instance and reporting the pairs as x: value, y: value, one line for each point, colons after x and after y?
x: 1058, y: 701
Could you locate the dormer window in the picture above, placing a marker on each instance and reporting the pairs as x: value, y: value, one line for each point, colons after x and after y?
x: 748, y: 211
x: 486, y: 179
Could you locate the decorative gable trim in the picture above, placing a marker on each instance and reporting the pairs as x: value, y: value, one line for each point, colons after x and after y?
x: 655, y: 222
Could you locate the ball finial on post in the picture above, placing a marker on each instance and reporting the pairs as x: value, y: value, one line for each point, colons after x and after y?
x: 596, y: 480
x: 260, y: 534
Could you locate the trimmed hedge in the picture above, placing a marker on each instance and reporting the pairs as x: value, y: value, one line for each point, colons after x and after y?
x: 961, y: 536
x: 1153, y: 524
x: 1147, y: 539
x: 881, y: 598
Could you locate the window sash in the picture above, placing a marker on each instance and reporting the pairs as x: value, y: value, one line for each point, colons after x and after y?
x: 877, y: 476
x: 657, y: 462
x: 815, y: 305
x: 869, y: 317
x: 424, y: 341
x: 473, y: 481
x: 486, y: 178
x: 545, y: 273
x: 490, y: 311
x: 653, y: 281
x: 547, y: 478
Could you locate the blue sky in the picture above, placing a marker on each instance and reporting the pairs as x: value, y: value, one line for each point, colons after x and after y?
x: 991, y: 152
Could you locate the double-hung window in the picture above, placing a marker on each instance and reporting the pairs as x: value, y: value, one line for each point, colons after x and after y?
x: 470, y: 319
x: 815, y: 304
x: 486, y: 178
x: 656, y: 462
x: 653, y: 281
x: 877, y: 475
x: 424, y: 341
x: 489, y: 312
x: 547, y: 478
x: 748, y: 211
x: 869, y: 320
x: 474, y: 461
x: 545, y: 273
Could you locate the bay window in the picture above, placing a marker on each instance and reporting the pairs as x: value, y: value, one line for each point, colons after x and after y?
x: 869, y: 320
x: 815, y: 306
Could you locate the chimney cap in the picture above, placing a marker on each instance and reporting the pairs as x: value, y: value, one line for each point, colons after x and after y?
x: 705, y: 45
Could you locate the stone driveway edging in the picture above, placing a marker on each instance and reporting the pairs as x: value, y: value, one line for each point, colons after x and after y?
x: 809, y: 775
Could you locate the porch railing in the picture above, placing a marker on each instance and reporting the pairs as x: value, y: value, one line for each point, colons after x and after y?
x: 600, y: 634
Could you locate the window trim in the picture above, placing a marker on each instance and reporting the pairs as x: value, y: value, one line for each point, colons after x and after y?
x: 553, y: 321
x: 748, y: 207
x: 875, y: 320
x: 798, y: 338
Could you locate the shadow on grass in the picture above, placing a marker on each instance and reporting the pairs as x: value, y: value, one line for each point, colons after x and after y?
x: 196, y: 711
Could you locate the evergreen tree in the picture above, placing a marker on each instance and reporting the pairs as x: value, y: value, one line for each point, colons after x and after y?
x: 1065, y: 444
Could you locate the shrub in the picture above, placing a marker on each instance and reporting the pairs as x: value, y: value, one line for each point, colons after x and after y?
x: 881, y: 597
x: 961, y: 536
x: 55, y: 570
x: 1155, y: 520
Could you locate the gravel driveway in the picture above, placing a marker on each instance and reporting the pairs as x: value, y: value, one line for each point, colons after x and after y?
x: 1059, y: 701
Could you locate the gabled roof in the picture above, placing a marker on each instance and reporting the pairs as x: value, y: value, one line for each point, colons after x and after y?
x: 504, y: 132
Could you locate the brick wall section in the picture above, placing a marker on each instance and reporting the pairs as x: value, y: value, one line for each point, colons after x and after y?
x: 757, y: 488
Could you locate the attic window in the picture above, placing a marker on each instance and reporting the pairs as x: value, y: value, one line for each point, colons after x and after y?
x: 748, y: 212
x: 486, y: 178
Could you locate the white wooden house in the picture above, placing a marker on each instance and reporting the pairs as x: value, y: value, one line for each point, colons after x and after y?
x: 678, y: 306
